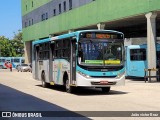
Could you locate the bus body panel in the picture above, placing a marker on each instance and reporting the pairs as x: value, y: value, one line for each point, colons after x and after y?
x: 99, y: 82
x: 61, y: 66
x: 136, y: 68
x: 43, y: 66
x: 85, y: 78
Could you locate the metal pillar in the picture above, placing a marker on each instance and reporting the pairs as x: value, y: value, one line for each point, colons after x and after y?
x: 151, y: 40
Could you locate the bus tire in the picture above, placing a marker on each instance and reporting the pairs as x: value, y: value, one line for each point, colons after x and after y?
x: 105, y: 89
x: 69, y: 89
x: 44, y: 84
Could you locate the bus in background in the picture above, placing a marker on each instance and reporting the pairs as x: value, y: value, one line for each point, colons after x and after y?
x: 136, y: 60
x: 14, y: 60
x: 2, y: 62
x: 87, y: 58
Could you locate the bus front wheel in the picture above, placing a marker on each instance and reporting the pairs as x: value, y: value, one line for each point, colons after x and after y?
x: 105, y: 89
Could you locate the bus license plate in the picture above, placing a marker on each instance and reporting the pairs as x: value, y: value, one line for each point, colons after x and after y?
x: 103, y: 82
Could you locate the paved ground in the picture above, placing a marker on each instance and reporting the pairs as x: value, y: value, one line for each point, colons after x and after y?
x: 20, y: 92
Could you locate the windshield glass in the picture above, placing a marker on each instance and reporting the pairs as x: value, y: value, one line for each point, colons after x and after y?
x: 99, y: 53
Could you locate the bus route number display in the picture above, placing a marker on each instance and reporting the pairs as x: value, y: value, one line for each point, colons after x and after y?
x: 102, y: 36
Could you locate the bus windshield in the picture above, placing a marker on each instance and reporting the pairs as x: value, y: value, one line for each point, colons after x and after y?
x: 100, y: 53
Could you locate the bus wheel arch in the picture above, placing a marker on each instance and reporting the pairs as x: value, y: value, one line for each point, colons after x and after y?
x: 44, y: 84
x: 69, y: 89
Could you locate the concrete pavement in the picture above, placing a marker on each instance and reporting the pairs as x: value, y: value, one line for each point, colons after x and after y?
x: 19, y: 91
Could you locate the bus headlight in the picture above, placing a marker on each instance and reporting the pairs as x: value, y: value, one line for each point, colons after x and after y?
x: 84, y: 75
x: 88, y: 76
x: 120, y: 75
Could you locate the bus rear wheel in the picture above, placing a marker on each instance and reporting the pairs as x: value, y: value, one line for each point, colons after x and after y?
x: 69, y: 89
x: 105, y: 89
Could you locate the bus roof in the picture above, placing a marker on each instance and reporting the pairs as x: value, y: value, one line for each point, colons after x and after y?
x: 41, y: 41
x: 72, y: 34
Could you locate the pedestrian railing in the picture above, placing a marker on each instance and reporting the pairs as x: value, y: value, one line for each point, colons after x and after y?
x: 148, y: 75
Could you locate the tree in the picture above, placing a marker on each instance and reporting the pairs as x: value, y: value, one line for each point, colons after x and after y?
x: 12, y: 48
x: 4, y: 47
x: 18, y: 44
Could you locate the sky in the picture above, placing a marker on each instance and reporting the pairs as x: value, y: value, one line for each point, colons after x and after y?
x: 10, y: 17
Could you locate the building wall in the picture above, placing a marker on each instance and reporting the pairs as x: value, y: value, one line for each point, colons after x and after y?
x: 28, y: 4
x: 86, y: 15
x: 49, y: 10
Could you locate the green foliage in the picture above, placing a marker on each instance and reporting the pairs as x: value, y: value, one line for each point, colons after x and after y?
x: 12, y: 48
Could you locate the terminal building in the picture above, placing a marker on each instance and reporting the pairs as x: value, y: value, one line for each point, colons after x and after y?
x: 135, y: 18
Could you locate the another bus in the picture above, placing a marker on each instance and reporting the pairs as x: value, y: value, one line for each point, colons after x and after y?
x: 88, y: 58
x: 136, y: 60
x: 14, y: 60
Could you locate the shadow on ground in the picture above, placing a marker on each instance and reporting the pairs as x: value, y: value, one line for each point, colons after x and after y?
x: 13, y: 100
x: 86, y: 91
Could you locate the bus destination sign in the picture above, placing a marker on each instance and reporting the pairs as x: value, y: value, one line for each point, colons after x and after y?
x: 102, y: 35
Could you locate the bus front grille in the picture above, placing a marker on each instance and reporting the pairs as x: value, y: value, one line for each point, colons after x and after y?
x: 99, y: 83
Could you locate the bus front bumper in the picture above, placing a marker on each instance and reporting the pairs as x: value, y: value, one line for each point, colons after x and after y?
x: 99, y: 82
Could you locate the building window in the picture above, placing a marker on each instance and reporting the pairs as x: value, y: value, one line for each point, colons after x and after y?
x: 43, y: 17
x: 25, y: 24
x: 26, y: 7
x: 46, y: 16
x: 54, y: 12
x: 29, y: 23
x: 64, y: 5
x: 70, y: 4
x: 32, y: 21
x: 59, y: 8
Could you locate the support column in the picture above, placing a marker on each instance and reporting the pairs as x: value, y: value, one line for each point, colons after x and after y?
x: 151, y: 40
x: 101, y: 26
x: 28, y: 50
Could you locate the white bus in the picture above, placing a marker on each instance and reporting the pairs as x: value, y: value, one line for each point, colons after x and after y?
x: 87, y: 58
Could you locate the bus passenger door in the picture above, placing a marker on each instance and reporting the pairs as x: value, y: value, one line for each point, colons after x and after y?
x: 51, y: 62
x: 73, y: 62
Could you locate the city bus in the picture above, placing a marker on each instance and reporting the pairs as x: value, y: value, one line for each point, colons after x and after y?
x: 14, y: 60
x: 136, y: 59
x: 87, y: 58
